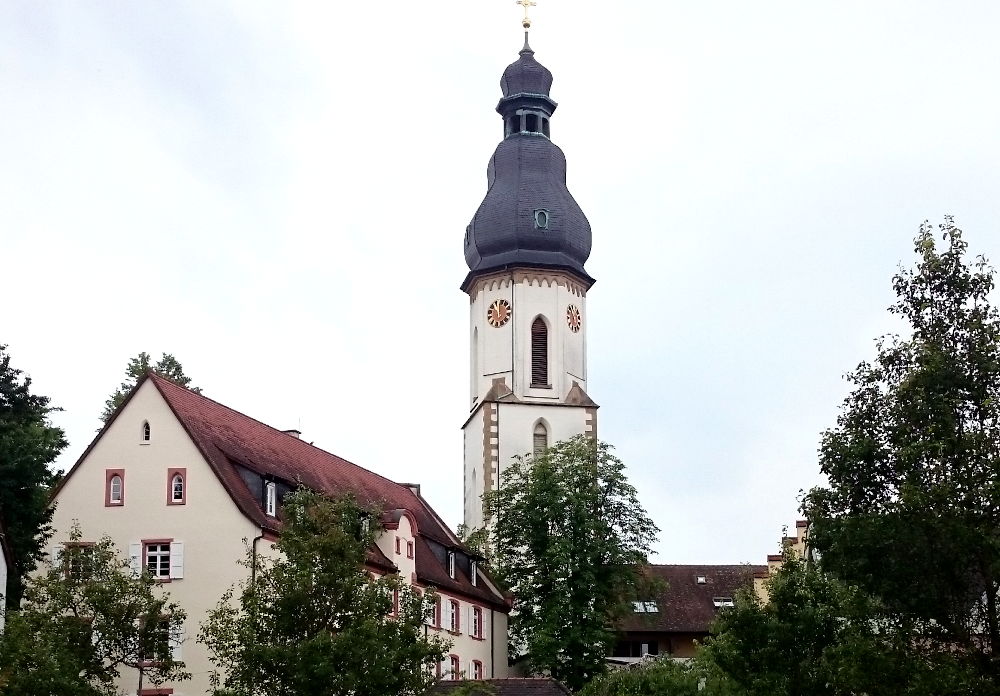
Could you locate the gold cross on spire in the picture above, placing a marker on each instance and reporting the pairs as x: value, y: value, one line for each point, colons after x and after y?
x: 526, y: 4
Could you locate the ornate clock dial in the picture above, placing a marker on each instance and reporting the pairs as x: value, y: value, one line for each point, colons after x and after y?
x: 573, y: 318
x: 499, y: 313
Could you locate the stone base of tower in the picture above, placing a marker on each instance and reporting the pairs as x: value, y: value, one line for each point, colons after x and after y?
x: 498, y: 430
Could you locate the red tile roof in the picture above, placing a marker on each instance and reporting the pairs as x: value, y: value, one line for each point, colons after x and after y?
x: 541, y: 686
x: 686, y: 606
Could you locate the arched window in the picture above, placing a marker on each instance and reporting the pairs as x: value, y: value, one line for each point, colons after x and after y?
x: 177, y: 488
x: 540, y: 439
x: 539, y: 353
x: 115, y: 489
x: 146, y: 432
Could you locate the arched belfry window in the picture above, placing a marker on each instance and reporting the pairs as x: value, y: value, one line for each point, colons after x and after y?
x: 539, y: 353
x: 540, y: 439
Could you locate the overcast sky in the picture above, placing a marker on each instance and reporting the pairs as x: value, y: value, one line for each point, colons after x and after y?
x: 277, y: 194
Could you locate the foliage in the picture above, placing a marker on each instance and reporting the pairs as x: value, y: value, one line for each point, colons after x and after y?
x: 312, y: 621
x: 29, y: 443
x: 476, y: 540
x: 568, y: 538
x: 167, y: 366
x: 912, y: 511
x: 82, y: 621
x: 661, y: 677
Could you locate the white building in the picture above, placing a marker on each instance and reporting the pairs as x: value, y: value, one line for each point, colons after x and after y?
x: 180, y: 481
x: 525, y: 247
x: 6, y: 561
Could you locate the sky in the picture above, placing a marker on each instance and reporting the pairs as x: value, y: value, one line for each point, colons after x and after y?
x: 277, y: 193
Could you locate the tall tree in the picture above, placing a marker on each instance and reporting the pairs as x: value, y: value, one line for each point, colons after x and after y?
x: 312, y: 621
x: 568, y: 538
x: 912, y: 511
x: 167, y: 366
x: 29, y: 443
x: 84, y: 620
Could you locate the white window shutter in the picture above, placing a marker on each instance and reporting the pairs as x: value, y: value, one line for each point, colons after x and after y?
x: 176, y: 640
x: 55, y: 556
x: 177, y: 560
x: 135, y: 558
x: 463, y: 620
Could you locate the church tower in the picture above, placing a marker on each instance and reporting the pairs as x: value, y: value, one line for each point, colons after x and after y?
x: 526, y: 247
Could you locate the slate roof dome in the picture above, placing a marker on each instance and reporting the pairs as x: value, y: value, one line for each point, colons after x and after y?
x: 528, y: 217
x: 526, y: 75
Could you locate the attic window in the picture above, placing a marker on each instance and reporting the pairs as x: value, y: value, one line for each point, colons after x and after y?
x: 645, y: 607
x: 722, y: 601
x: 451, y: 565
x: 270, y: 499
x: 701, y: 579
x: 146, y: 432
x: 473, y: 571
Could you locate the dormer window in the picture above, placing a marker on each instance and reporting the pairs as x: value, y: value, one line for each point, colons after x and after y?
x: 722, y: 601
x: 451, y: 565
x: 270, y: 499
x: 146, y: 433
x: 701, y: 579
x: 473, y: 572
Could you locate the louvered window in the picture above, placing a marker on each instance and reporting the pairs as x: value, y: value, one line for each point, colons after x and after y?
x: 539, y: 353
x: 541, y: 439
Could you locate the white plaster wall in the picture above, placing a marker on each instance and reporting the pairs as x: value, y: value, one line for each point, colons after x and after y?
x: 517, y: 427
x: 209, y: 524
x: 491, y: 649
x: 472, y: 434
x: 506, y: 351
x: 3, y: 589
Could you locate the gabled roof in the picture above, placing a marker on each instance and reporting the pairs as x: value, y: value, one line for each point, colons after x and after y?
x: 540, y: 686
x: 229, y: 439
x: 687, y: 606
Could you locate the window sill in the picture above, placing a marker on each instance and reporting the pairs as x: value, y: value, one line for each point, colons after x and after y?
x: 454, y: 633
x: 163, y: 580
x: 539, y: 386
x: 477, y: 638
x: 145, y: 444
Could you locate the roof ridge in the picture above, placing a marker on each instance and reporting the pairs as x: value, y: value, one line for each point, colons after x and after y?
x: 158, y: 377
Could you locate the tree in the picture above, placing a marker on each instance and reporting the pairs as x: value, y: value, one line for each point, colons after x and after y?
x: 29, y: 443
x: 912, y: 511
x: 82, y: 621
x: 167, y: 366
x: 662, y: 677
x: 311, y: 620
x: 568, y: 539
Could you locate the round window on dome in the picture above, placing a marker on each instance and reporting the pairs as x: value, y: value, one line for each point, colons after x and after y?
x: 541, y: 219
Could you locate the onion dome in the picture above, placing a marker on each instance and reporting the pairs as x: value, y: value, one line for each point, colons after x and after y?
x: 528, y: 218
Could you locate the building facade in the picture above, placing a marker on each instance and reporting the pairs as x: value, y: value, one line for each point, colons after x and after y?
x: 525, y: 248
x: 181, y: 483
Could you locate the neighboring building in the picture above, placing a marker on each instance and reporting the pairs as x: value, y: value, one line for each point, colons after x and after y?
x: 6, y: 562
x: 180, y: 481
x: 541, y: 686
x: 525, y: 247
x: 796, y: 545
x: 678, y: 619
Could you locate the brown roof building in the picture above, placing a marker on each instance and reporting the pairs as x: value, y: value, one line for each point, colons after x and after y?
x: 541, y: 686
x: 676, y: 620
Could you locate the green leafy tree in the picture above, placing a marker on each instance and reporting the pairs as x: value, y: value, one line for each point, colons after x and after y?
x: 912, y: 511
x: 167, y: 366
x: 662, y: 677
x: 568, y: 539
x: 311, y: 620
x: 29, y: 443
x: 84, y: 620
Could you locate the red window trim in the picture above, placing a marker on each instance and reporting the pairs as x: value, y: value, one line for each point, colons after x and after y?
x: 397, y: 546
x: 108, y: 475
x: 456, y: 667
x: 170, y: 486
x: 395, y: 602
x: 455, y: 617
x: 477, y: 669
x: 146, y: 543
x: 437, y: 612
x: 476, y: 629
x: 409, y: 549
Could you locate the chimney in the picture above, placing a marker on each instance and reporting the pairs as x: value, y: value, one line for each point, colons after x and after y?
x: 297, y: 434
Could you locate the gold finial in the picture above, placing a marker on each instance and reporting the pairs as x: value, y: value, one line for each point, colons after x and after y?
x: 526, y: 22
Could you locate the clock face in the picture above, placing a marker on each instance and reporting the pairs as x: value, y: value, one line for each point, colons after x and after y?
x: 573, y: 318
x: 499, y: 313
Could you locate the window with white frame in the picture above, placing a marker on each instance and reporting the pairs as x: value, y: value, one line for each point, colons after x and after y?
x: 116, y: 489
x: 477, y: 670
x: 158, y: 559
x: 723, y: 601
x: 454, y: 616
x: 270, y: 499
x: 176, y: 486
x: 646, y: 607
x: 456, y: 668
x: 477, y: 622
x: 451, y: 565
x: 163, y: 559
x: 473, y: 572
